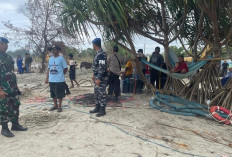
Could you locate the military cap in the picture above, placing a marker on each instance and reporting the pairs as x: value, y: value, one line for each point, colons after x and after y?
x: 3, y: 40
x: 97, y: 41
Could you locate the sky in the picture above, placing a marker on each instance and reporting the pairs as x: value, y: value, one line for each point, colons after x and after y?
x: 11, y: 10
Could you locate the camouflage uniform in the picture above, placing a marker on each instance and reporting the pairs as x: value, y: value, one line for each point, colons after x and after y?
x: 9, y: 107
x: 100, y: 72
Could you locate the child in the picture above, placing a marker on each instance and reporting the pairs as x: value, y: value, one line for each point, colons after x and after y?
x: 72, y: 70
x: 147, y: 73
x: 176, y: 66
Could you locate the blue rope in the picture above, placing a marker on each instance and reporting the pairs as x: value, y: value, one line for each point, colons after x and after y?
x: 141, y: 138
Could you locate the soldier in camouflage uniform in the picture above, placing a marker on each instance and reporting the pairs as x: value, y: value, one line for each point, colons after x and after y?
x: 100, y: 78
x: 9, y: 102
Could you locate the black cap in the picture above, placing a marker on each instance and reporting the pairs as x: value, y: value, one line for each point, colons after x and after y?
x: 140, y: 50
x: 56, y: 47
x: 49, y: 48
x: 181, y: 56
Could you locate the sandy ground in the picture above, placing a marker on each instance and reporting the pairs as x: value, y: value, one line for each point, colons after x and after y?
x: 133, y: 130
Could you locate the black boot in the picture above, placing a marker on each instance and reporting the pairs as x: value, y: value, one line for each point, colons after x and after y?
x: 5, y: 131
x: 116, y: 99
x: 102, y: 111
x: 17, y: 127
x: 96, y: 109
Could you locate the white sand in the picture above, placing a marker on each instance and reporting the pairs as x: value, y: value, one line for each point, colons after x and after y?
x: 72, y: 133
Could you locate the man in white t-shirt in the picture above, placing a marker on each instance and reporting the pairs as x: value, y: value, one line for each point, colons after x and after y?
x: 57, y: 67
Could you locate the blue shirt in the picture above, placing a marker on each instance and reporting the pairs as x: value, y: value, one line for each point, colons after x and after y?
x: 56, y: 67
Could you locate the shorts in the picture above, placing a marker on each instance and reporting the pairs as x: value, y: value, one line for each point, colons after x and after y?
x: 57, y: 90
x: 72, y: 74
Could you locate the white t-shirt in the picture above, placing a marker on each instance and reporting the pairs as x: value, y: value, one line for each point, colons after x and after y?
x: 71, y: 62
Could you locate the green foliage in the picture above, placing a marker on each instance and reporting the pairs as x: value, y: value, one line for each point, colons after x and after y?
x: 178, y: 50
x: 17, y: 52
x: 108, y: 47
x: 89, y: 52
x: 73, y: 51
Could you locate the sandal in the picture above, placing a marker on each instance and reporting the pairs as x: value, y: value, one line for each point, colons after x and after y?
x: 53, y: 108
x: 59, y: 110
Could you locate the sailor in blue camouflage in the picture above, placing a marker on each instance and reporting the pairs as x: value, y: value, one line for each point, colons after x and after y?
x: 9, y: 91
x: 100, y: 78
x: 99, y: 70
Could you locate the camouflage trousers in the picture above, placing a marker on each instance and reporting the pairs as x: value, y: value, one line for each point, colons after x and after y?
x: 9, y: 109
x: 100, y: 93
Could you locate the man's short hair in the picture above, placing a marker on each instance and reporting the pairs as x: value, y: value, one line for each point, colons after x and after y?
x: 115, y: 48
x: 157, y: 48
x: 181, y: 56
x: 70, y: 55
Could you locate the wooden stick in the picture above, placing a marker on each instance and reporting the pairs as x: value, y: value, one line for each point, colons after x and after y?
x: 214, y: 59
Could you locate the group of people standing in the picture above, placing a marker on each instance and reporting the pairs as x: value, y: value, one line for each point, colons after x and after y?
x: 155, y: 77
x: 26, y: 66
x: 106, y: 72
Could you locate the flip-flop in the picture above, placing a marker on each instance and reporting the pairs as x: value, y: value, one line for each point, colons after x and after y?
x: 53, y: 108
x: 59, y: 110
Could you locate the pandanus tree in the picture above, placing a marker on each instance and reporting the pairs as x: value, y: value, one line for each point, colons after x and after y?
x: 113, y: 18
x: 122, y: 20
x: 199, y: 22
x: 211, y: 20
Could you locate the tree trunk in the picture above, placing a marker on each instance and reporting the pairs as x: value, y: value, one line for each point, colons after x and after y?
x: 43, y: 59
x: 138, y: 67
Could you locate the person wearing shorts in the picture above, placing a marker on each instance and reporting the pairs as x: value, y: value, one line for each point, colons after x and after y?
x: 57, y: 68
x: 72, y: 70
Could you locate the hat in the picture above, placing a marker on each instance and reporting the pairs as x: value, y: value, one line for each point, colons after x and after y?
x: 56, y: 47
x: 140, y: 50
x: 3, y: 40
x: 97, y: 42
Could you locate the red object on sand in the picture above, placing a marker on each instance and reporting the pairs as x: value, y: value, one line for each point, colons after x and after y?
x: 213, y: 110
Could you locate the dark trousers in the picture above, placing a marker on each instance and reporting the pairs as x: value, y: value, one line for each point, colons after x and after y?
x: 224, y: 72
x: 142, y: 84
x: 27, y: 65
x: 114, y: 84
x: 163, y: 81
x: 155, y: 78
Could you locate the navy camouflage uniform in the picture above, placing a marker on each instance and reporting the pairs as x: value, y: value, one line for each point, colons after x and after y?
x: 9, y: 107
x: 100, y: 72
